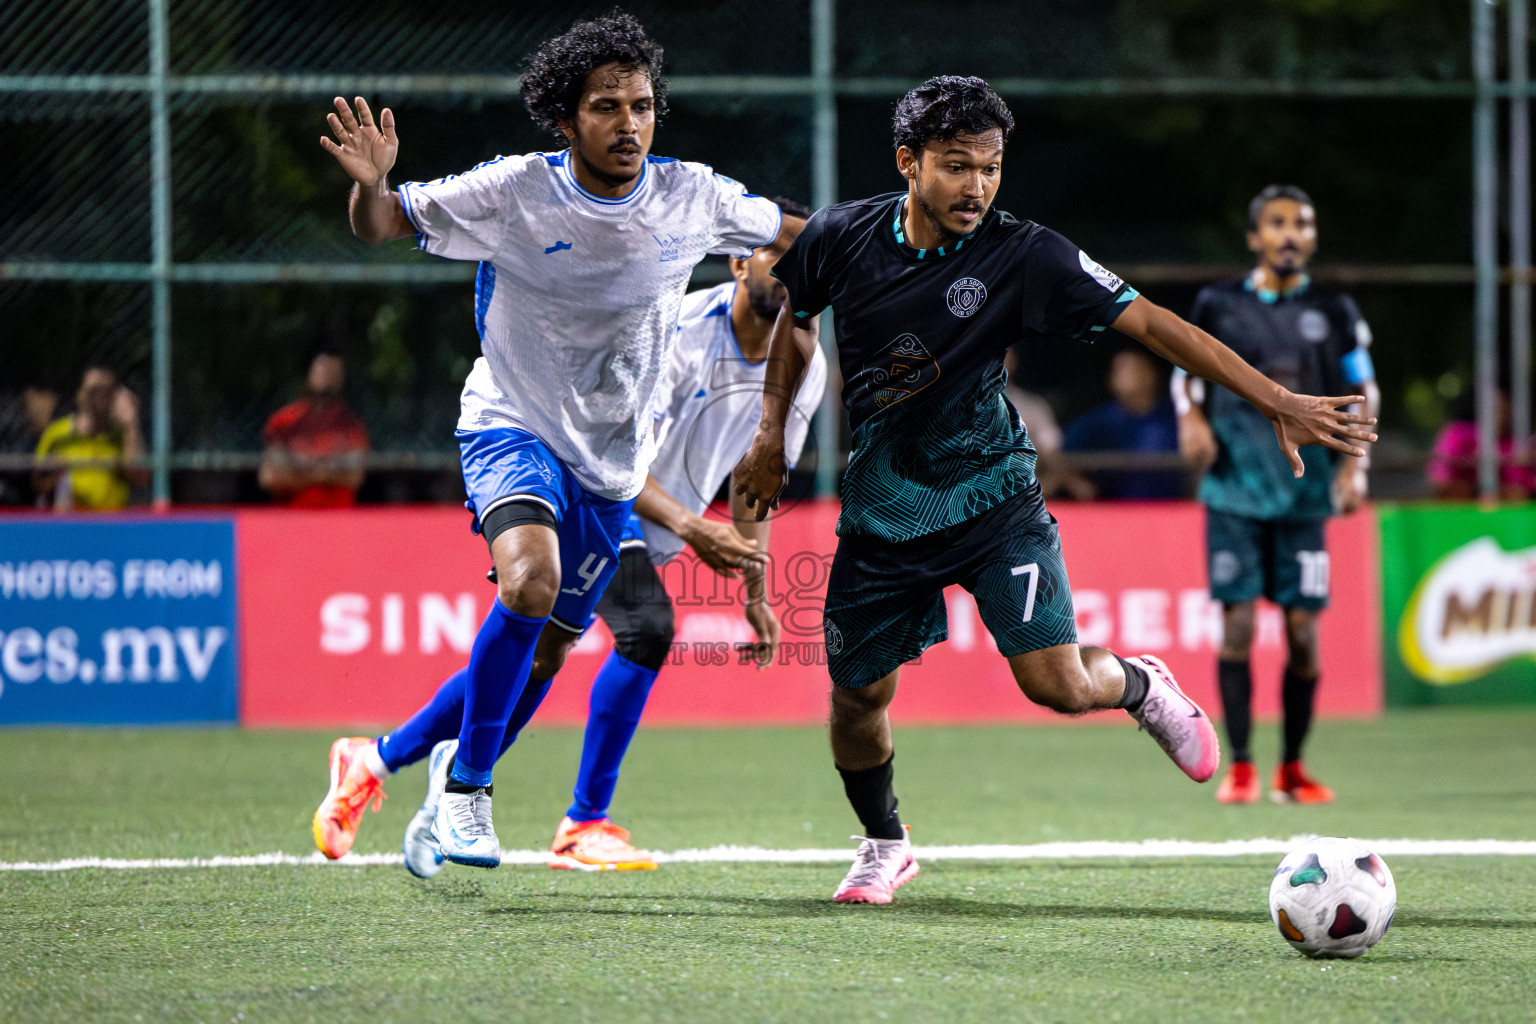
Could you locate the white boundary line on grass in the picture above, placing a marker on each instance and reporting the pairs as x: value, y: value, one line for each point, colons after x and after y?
x: 1092, y: 850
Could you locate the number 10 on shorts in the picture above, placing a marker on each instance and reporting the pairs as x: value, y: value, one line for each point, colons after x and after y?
x: 1032, y: 570
x: 1314, y: 573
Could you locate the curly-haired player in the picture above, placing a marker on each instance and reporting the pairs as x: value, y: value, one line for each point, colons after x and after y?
x: 930, y: 288
x: 584, y: 257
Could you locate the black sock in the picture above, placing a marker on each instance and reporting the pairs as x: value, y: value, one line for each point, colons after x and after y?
x: 1296, y: 696
x: 869, y: 791
x: 1136, y: 684
x: 455, y: 786
x: 1235, y: 679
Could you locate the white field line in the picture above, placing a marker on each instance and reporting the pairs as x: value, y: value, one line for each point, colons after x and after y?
x: 1143, y: 850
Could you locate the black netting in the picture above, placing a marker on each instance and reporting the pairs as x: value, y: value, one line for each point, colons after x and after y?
x: 1152, y: 179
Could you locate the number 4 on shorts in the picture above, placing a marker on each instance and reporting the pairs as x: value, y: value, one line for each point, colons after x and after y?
x: 1032, y: 570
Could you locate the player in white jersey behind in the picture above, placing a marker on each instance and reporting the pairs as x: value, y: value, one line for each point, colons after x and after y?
x: 707, y: 412
x: 584, y: 258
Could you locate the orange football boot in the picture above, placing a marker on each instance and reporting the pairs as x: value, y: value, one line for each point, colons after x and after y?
x: 1292, y: 785
x: 353, y: 787
x: 1240, y: 785
x: 596, y: 846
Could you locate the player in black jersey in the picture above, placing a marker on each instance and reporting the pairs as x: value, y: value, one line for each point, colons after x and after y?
x: 1264, y: 527
x: 929, y: 288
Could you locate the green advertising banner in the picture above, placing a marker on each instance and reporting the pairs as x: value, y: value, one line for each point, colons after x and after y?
x: 1458, y: 604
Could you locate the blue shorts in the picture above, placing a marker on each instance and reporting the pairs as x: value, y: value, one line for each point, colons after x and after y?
x: 633, y: 535
x: 505, y: 464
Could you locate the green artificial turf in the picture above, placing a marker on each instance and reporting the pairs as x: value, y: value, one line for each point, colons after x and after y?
x: 1133, y: 940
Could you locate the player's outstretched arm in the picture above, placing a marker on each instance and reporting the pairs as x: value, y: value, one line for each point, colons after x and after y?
x: 763, y: 472
x: 1297, y: 419
x: 366, y: 152
x: 718, y: 545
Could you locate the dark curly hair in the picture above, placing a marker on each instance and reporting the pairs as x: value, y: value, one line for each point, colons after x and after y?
x: 556, y: 73
x: 947, y: 106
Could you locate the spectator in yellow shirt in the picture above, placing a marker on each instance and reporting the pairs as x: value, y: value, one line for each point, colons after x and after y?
x: 103, y: 435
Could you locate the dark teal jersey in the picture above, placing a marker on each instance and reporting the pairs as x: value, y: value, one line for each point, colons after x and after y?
x: 1311, y: 341
x: 921, y: 336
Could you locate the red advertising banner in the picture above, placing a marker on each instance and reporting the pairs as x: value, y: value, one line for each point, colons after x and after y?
x: 356, y: 616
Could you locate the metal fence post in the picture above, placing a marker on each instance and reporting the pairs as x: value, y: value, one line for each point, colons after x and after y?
x: 1485, y: 245
x: 1519, y: 231
x: 160, y: 251
x: 824, y: 193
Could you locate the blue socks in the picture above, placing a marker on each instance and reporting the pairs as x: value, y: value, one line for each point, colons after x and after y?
x: 499, y: 663
x: 442, y: 716
x: 439, y: 719
x: 619, y: 694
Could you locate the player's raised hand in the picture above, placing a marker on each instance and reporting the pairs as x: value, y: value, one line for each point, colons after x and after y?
x: 1306, y: 419
x: 763, y: 473
x: 365, y: 151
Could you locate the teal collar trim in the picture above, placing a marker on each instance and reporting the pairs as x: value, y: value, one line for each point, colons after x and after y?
x: 1269, y: 295
x: 922, y: 254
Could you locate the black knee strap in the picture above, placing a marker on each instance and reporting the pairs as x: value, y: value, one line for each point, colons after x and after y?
x: 517, y: 512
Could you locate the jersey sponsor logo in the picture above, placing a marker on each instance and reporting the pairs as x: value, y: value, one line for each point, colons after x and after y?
x: 670, y: 246
x: 1313, y: 325
x: 834, y: 637
x: 901, y: 371
x: 557, y: 247
x: 966, y: 296
x: 1106, y: 278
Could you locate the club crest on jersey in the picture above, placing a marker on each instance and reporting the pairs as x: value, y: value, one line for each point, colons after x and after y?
x: 1313, y: 324
x: 670, y: 246
x: 966, y: 296
x: 1106, y: 278
x: 834, y: 636
x: 901, y: 371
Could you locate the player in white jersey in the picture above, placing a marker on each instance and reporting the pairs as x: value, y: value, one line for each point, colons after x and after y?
x: 708, y: 409
x: 584, y: 258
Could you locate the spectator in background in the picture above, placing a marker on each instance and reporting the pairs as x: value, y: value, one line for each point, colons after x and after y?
x: 100, y: 444
x: 1045, y: 434
x: 21, y: 427
x: 314, y: 447
x: 1139, y: 420
x: 1452, y: 468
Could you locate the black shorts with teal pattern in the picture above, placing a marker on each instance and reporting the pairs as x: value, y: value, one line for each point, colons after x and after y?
x: 1285, y: 560
x: 885, y: 599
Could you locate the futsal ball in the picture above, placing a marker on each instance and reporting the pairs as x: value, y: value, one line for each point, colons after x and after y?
x: 1332, y: 898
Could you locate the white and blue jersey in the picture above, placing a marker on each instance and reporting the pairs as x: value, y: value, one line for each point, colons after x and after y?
x: 707, y: 410
x: 578, y: 296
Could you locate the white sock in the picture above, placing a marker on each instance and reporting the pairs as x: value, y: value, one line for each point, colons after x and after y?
x: 374, y: 763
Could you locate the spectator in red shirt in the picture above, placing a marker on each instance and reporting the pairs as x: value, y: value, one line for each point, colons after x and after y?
x: 314, y: 448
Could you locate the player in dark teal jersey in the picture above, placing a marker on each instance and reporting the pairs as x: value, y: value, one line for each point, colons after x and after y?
x: 1265, y: 527
x: 929, y: 288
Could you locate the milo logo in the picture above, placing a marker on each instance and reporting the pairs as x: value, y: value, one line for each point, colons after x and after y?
x: 1474, y: 610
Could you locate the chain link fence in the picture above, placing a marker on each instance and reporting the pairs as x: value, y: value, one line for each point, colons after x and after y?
x: 166, y: 210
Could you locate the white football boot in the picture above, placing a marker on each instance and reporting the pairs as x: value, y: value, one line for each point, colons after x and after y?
x: 422, y: 857
x: 462, y: 828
